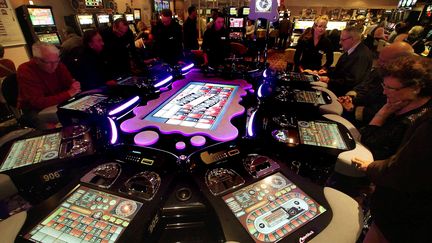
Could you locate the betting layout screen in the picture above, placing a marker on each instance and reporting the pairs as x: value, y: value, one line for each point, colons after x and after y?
x: 199, y: 105
x: 87, y: 215
x: 84, y: 103
x: 321, y: 134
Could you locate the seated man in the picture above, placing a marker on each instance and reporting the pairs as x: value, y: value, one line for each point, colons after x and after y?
x: 44, y: 82
x: 353, y: 66
x: 364, y: 100
x: 216, y: 43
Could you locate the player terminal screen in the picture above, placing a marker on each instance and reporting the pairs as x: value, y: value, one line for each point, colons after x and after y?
x: 199, y: 105
x: 321, y: 134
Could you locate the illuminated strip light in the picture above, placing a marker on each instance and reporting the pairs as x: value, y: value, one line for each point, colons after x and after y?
x: 260, y: 91
x: 114, y: 133
x: 163, y: 82
x: 250, y: 125
x: 188, y: 67
x: 124, y: 106
x: 265, y: 73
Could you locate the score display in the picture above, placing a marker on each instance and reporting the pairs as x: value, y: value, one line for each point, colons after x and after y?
x: 51, y: 38
x: 87, y: 215
x: 41, y: 16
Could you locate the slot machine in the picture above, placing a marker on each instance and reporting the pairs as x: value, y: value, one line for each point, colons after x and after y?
x: 131, y: 21
x: 42, y: 162
x: 137, y: 14
x: 81, y: 22
x: 37, y: 24
x: 118, y: 200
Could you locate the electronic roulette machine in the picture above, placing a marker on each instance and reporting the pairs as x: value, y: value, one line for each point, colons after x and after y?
x: 41, y: 162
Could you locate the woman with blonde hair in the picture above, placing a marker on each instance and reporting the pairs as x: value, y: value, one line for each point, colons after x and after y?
x: 311, y: 47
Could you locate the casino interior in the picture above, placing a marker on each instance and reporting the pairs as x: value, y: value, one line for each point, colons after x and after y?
x: 253, y: 149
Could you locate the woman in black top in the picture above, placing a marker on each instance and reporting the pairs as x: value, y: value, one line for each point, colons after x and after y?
x: 215, y: 43
x: 312, y: 45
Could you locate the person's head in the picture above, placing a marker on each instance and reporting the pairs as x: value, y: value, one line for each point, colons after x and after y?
x: 141, y: 26
x: 213, y: 13
x: 407, y: 78
x: 219, y: 21
x: 2, y: 51
x: 285, y: 16
x: 93, y: 40
x: 360, y: 20
x: 350, y: 36
x: 166, y: 17
x: 192, y: 11
x: 320, y: 25
x: 46, y: 56
x: 68, y: 31
x: 395, y: 50
x: 402, y: 27
x: 379, y: 33
x: 120, y: 27
x: 415, y: 32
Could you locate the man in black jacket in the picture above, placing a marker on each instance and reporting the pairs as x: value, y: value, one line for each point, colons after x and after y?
x: 190, y: 30
x: 353, y: 66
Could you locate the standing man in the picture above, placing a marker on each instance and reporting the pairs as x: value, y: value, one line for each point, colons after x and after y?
x: 216, y: 43
x: 284, y: 31
x: 168, y: 39
x: 119, y: 47
x: 190, y: 30
x: 44, y: 82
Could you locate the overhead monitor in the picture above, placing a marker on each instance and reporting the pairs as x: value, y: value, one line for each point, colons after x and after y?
x: 85, y: 19
x: 41, y: 16
x: 129, y: 17
x: 94, y: 3
x: 103, y: 18
x: 137, y: 14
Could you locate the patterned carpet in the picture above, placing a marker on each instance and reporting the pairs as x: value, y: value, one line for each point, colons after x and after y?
x: 278, y: 59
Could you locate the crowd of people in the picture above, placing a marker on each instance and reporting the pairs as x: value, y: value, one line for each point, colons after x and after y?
x: 385, y: 92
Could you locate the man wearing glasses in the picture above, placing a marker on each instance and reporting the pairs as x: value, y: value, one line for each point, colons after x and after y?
x: 44, y: 82
x: 353, y: 66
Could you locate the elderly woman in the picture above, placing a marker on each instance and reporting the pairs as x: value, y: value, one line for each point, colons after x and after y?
x: 408, y: 87
x: 311, y: 47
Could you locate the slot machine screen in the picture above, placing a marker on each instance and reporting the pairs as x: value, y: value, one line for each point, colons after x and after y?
x: 129, y: 17
x: 208, y: 11
x: 137, y: 14
x: 103, y: 18
x: 86, y: 215
x: 246, y: 11
x: 85, y: 19
x: 236, y: 22
x: 93, y: 3
x: 198, y: 105
x: 41, y: 16
x: 302, y: 24
x: 233, y: 11
x: 340, y: 25
x: 51, y: 38
x: 32, y: 151
x: 117, y: 16
x: 85, y: 102
x: 321, y: 134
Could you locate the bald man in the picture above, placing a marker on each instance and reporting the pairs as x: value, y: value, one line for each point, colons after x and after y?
x: 361, y: 103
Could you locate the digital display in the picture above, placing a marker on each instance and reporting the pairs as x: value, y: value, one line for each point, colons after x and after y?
x: 263, y: 6
x: 117, y: 16
x: 103, y: 18
x: 137, y: 14
x: 236, y: 22
x: 41, y: 16
x: 129, y: 17
x: 85, y: 19
x: 340, y: 25
x: 236, y: 35
x: 303, y: 24
x: 321, y: 134
x: 93, y: 3
x: 233, y: 11
x: 87, y: 215
x: 85, y: 102
x: 51, y: 38
x: 311, y: 97
x: 246, y: 11
x: 32, y: 150
x: 208, y: 11
x: 272, y: 208
x: 198, y: 105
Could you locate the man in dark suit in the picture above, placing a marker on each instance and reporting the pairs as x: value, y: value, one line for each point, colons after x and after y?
x: 353, y: 66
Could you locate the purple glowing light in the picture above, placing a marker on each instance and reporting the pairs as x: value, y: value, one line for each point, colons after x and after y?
x: 163, y: 82
x: 124, y: 106
x: 198, y: 141
x: 260, y: 90
x: 188, y: 67
x: 250, y: 125
x: 180, y: 145
x: 265, y: 73
x: 114, y: 133
x: 146, y: 138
